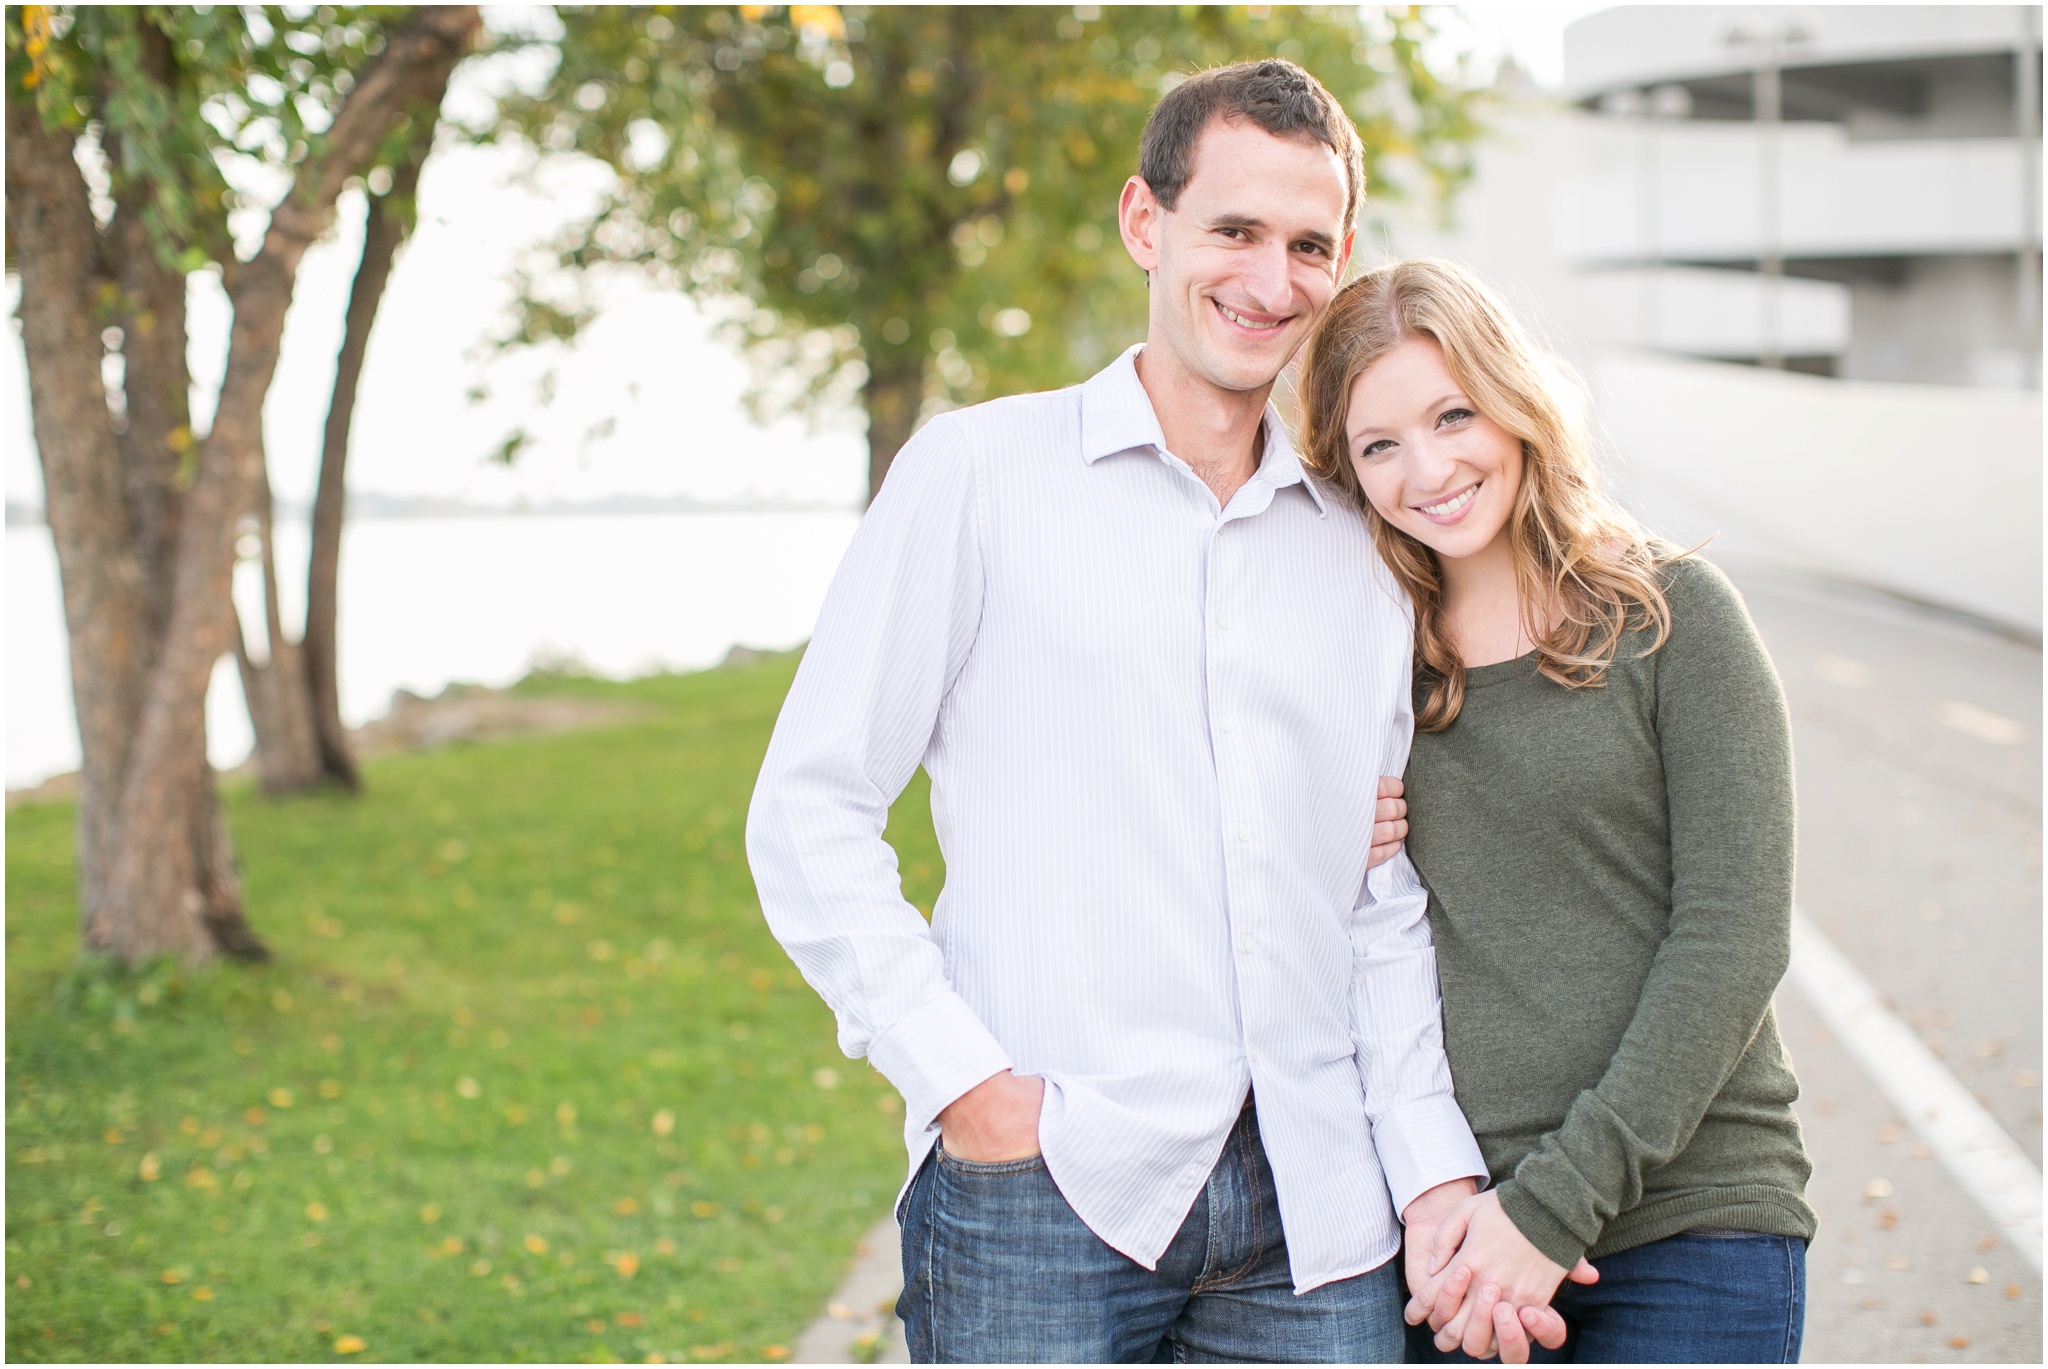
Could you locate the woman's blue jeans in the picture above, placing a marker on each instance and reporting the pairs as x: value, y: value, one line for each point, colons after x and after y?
x: 997, y: 1268
x: 1700, y: 1297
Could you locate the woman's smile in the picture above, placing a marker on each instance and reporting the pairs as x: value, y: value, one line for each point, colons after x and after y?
x: 1453, y: 509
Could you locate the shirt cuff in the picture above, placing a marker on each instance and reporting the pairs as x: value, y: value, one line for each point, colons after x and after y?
x: 934, y: 1054
x: 1423, y: 1144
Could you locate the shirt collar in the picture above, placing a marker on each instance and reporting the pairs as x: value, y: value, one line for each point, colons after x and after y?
x: 1117, y: 416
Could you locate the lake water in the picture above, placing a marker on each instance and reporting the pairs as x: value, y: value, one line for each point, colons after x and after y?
x: 428, y: 601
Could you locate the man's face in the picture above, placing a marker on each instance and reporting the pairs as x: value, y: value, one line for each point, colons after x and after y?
x: 1245, y: 262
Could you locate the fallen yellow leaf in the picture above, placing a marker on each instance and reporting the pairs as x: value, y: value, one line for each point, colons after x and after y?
x: 664, y: 1122
x: 627, y: 1263
x: 330, y: 1088
x: 151, y: 1169
x: 536, y: 1244
x: 280, y: 1098
x: 774, y: 1352
x: 626, y: 1207
x: 173, y: 1276
x: 431, y: 1213
x: 202, y: 1294
x: 350, y: 1345
x: 316, y: 1211
x: 665, y: 1246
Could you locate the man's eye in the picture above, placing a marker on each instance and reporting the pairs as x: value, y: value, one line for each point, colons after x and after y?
x: 1314, y: 248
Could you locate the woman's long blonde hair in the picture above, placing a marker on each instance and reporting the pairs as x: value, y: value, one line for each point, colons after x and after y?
x: 1584, y: 571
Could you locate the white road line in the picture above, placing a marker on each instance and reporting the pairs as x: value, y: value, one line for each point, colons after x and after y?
x: 1968, y: 1140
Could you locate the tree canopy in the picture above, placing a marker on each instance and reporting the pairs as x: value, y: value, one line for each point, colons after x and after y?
x: 914, y: 207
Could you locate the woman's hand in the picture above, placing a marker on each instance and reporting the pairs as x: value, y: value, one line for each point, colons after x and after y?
x: 1496, y: 1288
x: 1389, y: 821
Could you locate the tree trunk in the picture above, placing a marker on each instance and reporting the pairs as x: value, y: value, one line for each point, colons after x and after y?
x: 153, y: 874
x: 384, y: 227
x: 144, y: 567
x: 280, y: 704
x: 892, y: 396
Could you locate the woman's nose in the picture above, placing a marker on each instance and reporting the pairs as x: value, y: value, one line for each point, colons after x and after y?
x: 1430, y: 467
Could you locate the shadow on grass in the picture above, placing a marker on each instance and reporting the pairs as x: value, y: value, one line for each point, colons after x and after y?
x: 527, y: 1080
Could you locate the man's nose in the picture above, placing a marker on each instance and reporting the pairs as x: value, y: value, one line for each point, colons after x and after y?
x: 1266, y: 277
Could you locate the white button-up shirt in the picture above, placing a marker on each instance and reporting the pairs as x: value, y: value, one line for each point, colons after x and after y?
x: 1154, y: 728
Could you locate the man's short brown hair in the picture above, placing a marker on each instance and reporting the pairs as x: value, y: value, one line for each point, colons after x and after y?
x: 1277, y: 96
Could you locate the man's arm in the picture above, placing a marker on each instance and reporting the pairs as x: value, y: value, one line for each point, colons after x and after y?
x: 894, y: 633
x: 1421, y: 1135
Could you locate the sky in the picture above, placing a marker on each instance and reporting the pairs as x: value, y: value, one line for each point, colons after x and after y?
x: 647, y: 404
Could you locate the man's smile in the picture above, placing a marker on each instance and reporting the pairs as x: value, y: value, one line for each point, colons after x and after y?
x: 1245, y: 321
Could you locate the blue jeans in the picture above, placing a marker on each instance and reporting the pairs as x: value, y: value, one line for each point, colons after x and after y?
x: 1700, y: 1297
x: 998, y: 1269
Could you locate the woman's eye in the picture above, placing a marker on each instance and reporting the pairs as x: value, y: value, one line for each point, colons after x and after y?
x: 1372, y: 449
x: 1452, y: 416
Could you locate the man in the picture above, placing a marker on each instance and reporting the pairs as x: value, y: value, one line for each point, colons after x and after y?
x: 1153, y: 673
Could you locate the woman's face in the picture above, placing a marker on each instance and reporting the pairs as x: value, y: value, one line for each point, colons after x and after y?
x: 1432, y: 464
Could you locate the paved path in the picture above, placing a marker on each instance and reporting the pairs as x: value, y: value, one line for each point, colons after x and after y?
x: 1919, y: 770
x: 1918, y: 755
x: 859, y: 1325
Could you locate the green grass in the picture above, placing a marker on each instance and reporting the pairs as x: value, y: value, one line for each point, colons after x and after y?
x: 528, y: 1079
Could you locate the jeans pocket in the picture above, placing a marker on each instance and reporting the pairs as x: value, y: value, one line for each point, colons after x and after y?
x: 988, y: 1167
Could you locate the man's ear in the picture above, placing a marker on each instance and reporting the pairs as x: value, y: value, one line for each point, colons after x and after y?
x: 1344, y: 256
x: 1138, y: 215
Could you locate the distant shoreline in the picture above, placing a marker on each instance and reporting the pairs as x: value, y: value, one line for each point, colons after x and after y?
x: 370, y: 506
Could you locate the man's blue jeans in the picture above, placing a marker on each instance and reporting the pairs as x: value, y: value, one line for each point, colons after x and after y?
x: 998, y: 1269
x: 1700, y: 1297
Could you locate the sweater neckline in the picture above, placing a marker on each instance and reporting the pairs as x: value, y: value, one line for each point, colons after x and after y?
x: 1482, y: 676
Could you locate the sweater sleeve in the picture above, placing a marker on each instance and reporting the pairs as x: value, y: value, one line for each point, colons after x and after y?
x: 1726, y: 746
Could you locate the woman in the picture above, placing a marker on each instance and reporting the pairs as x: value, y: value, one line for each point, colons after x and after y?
x: 1601, y: 803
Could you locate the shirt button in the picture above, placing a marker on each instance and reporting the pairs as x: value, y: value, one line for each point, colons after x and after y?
x: 1244, y: 833
x: 1223, y: 622
x: 1247, y: 945
x: 1224, y: 725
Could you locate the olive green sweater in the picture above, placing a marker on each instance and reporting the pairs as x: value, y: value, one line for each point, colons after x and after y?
x: 1610, y: 877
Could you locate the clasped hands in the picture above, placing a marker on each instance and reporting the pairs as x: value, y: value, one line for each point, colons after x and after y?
x: 1477, y: 1280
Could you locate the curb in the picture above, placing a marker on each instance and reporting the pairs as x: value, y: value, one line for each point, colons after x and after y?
x: 859, y: 1325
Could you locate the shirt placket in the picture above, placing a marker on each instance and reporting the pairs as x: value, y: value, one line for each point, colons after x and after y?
x: 1228, y: 620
